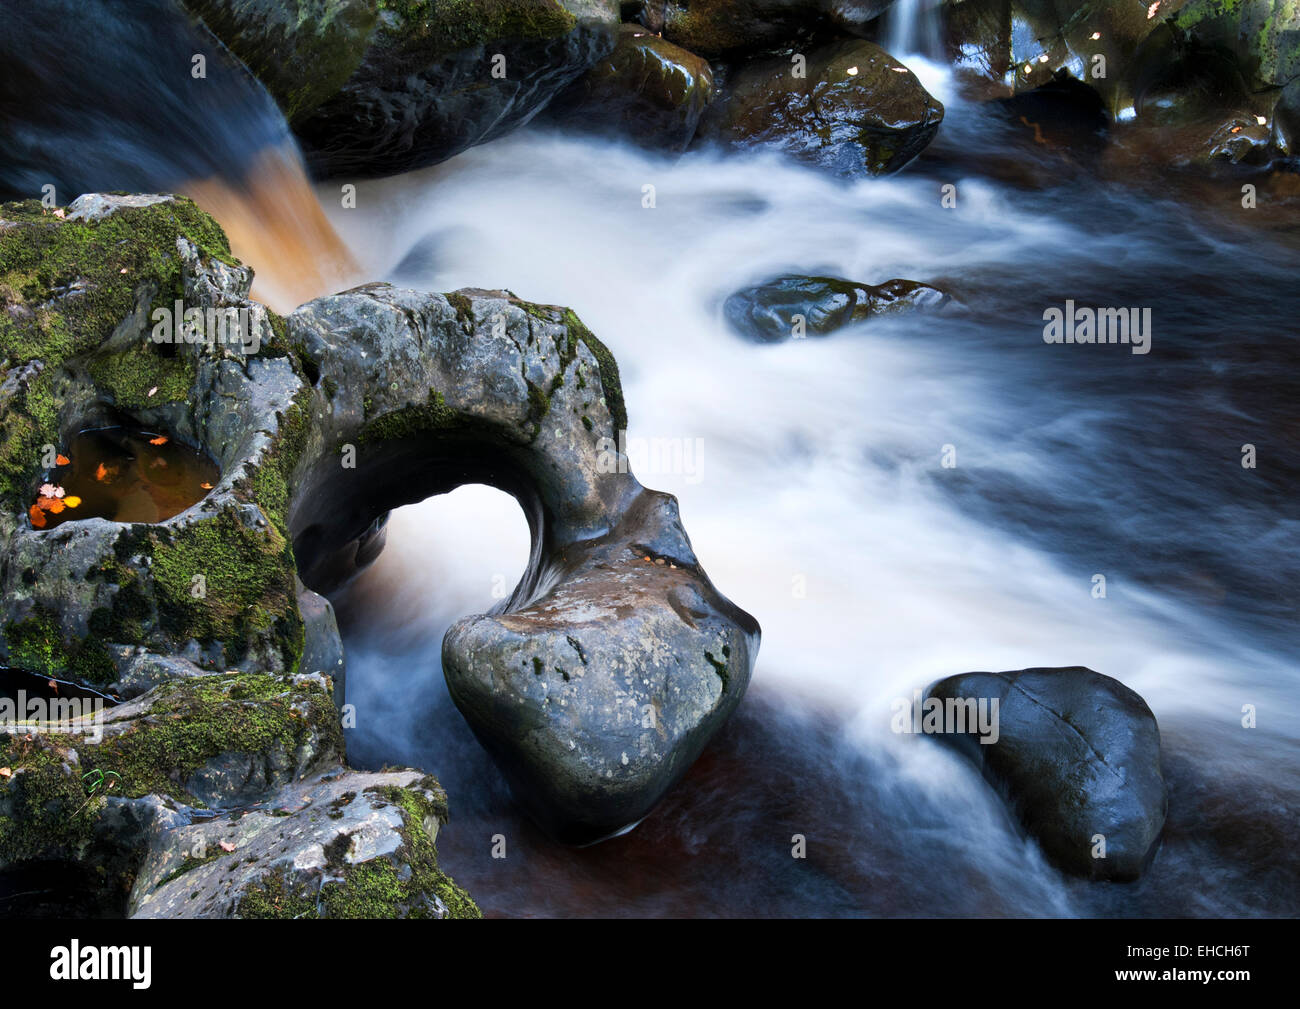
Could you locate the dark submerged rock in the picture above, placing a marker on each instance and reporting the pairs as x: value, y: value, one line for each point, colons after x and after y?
x: 768, y: 312
x: 857, y: 112
x: 1078, y: 754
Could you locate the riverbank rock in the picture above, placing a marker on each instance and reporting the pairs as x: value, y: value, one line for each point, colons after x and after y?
x: 647, y: 90
x: 721, y: 27
x: 793, y: 306
x: 858, y: 111
x: 342, y: 844
x: 440, y: 76
x: 213, y: 585
x: 1078, y: 758
x: 1193, y: 64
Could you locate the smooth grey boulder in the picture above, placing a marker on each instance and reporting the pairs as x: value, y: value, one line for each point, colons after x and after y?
x: 600, y: 679
x: 1078, y: 757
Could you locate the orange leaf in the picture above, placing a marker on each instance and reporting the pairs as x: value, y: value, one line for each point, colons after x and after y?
x: 62, y: 460
x: 160, y: 440
x: 206, y: 486
x: 45, y: 503
x: 37, y: 516
x: 6, y: 772
x: 55, y: 506
x: 53, y: 685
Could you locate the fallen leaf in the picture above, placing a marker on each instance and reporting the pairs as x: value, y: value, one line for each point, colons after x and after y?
x: 153, y: 390
x: 72, y: 501
x: 37, y: 516
x: 160, y: 461
x: 206, y: 486
x: 226, y: 846
x: 59, y: 213
x: 160, y: 440
x: 6, y: 772
x: 62, y: 460
x: 53, y: 685
x: 50, y: 490
x: 55, y: 506
x: 101, y: 473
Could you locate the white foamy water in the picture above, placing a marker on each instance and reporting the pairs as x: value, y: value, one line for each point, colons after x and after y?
x: 819, y: 503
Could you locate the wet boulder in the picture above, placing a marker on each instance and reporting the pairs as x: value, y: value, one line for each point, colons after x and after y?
x: 857, y: 111
x: 728, y: 27
x: 302, y: 53
x: 1077, y: 755
x: 440, y: 76
x: 647, y: 90
x: 794, y: 306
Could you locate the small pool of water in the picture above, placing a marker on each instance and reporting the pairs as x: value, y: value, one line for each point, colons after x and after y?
x: 123, y: 474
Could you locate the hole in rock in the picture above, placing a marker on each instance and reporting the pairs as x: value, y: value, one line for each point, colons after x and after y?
x: 126, y: 474
x: 446, y: 557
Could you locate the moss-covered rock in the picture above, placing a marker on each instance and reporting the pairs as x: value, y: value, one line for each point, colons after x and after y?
x: 303, y: 52
x: 440, y: 76
x: 80, y: 288
x: 344, y: 844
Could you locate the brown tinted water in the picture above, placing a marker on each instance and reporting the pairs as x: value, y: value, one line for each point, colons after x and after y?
x: 123, y: 474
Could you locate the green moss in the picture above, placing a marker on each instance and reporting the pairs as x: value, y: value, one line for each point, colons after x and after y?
x: 270, y: 484
x: 720, y: 666
x: 463, y: 306
x: 193, y: 721
x: 50, y: 812
x: 380, y: 888
x: 609, y: 377
x: 64, y: 287
x: 37, y: 644
x: 413, y: 421
x: 130, y: 376
x: 444, y: 26
x: 248, y: 585
x: 272, y: 897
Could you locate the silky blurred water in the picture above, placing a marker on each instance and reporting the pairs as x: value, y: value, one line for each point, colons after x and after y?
x: 821, y: 506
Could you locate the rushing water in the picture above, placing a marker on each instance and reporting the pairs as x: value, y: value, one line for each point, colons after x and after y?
x: 820, y: 505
